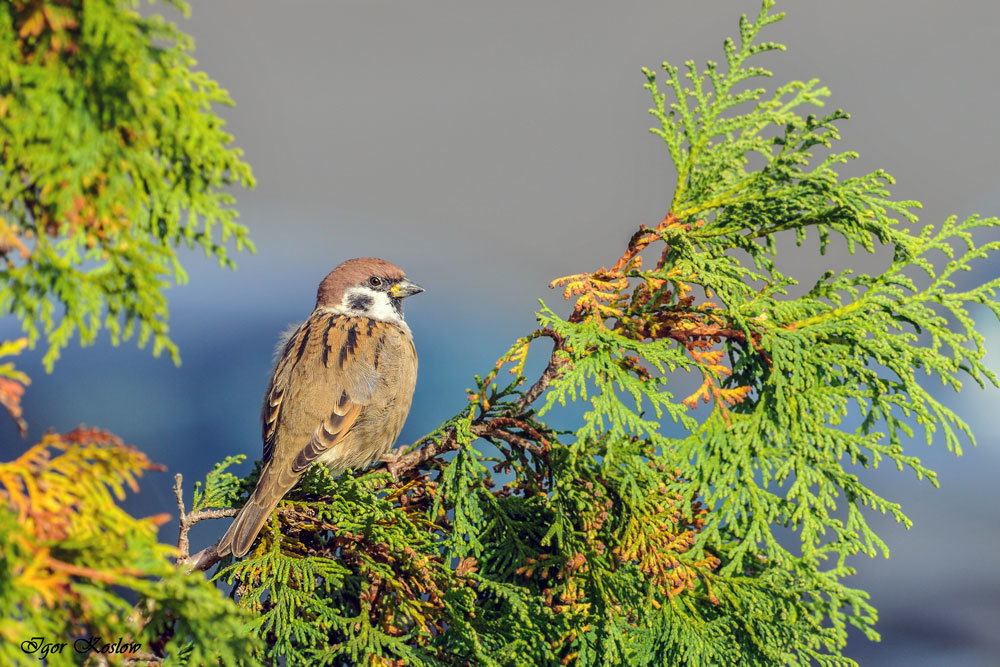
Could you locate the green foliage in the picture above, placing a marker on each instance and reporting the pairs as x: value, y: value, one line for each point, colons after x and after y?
x: 73, y: 562
x: 648, y: 535
x: 111, y: 158
x: 376, y: 578
x: 221, y: 488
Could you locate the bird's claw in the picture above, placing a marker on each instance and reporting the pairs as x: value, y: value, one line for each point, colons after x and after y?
x: 391, y: 461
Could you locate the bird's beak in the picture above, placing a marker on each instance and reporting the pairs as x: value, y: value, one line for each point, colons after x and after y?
x: 405, y: 288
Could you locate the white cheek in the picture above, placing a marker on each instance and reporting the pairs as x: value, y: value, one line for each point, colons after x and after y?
x: 379, y: 308
x: 382, y: 309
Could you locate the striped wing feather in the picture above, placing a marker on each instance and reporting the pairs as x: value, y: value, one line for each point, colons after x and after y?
x: 318, y: 389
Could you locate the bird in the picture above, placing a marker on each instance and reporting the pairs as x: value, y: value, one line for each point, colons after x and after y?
x: 340, y: 389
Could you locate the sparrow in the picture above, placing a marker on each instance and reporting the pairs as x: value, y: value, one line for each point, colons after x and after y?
x: 340, y: 389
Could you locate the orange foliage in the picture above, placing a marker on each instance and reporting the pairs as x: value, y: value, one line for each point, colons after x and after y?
x: 63, y: 490
x: 12, y: 383
x: 650, y: 311
x: 37, y: 19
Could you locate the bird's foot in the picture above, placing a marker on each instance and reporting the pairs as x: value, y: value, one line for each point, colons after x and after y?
x: 391, y: 461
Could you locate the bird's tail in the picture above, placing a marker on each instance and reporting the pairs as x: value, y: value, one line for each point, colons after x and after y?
x: 247, y: 524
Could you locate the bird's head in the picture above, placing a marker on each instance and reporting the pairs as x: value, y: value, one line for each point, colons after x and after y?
x: 366, y: 286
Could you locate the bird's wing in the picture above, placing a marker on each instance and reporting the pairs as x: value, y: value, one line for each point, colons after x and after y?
x: 276, y: 387
x: 330, y: 360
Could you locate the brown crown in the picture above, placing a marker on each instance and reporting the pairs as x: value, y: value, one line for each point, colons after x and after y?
x: 353, y: 272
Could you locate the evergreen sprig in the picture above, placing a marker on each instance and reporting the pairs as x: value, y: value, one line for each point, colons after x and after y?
x: 73, y: 562
x: 110, y: 158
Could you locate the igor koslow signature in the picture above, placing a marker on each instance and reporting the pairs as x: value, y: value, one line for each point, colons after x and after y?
x: 43, y: 648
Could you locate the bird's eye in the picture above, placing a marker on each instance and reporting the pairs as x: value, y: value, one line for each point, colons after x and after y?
x: 375, y: 281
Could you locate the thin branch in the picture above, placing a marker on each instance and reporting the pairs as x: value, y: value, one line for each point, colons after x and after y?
x: 188, y: 520
x: 182, y: 538
x: 449, y: 441
x: 416, y: 458
x: 204, y: 559
x: 493, y: 430
x: 551, y: 372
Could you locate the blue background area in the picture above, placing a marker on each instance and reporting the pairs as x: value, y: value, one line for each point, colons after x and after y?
x: 489, y: 148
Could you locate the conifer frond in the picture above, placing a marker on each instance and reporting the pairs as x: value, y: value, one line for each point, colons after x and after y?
x: 112, y: 158
x: 221, y: 488
x: 73, y: 558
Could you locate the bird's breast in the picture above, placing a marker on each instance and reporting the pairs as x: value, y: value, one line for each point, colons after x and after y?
x: 374, y: 363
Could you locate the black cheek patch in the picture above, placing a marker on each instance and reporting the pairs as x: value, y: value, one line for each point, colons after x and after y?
x: 359, y: 302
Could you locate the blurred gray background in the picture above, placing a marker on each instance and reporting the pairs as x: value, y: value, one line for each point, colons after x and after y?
x: 489, y: 147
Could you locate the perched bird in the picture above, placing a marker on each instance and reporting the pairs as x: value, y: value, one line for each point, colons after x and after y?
x: 340, y: 389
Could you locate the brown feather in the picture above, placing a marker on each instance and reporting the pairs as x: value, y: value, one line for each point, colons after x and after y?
x: 338, y: 395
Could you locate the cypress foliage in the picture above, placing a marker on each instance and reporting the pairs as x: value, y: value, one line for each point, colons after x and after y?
x: 110, y: 158
x: 649, y: 534
x: 72, y: 564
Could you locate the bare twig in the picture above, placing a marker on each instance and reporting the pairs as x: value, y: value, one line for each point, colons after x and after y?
x: 492, y: 430
x: 204, y: 559
x: 418, y: 457
x: 449, y: 442
x: 182, y: 538
x: 192, y: 519
x: 501, y: 426
x: 188, y: 520
x: 551, y: 372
